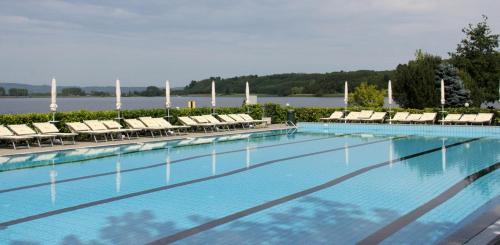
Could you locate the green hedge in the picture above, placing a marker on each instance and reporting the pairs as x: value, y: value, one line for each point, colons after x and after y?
x: 277, y: 112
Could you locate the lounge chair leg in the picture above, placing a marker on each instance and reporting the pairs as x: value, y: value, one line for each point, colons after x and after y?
x: 61, y: 139
x: 14, y: 145
x: 95, y: 138
x: 74, y: 143
x: 39, y: 142
x: 51, y: 142
x: 28, y: 144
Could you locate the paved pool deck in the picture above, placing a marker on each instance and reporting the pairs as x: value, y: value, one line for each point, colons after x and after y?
x: 6, y: 150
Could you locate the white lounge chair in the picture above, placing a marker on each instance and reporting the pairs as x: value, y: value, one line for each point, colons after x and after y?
x: 24, y: 130
x: 399, y: 117
x: 96, y: 125
x: 212, y: 119
x: 483, y: 118
x: 376, y: 117
x: 412, y: 118
x: 114, y: 125
x: 240, y: 121
x: 365, y: 114
x: 166, y: 124
x: 51, y: 129
x: 82, y: 128
x: 466, y: 118
x: 249, y: 118
x: 451, y: 118
x: 9, y: 136
x: 136, y: 124
x: 427, y: 117
x: 352, y: 116
x: 190, y: 122
x: 337, y: 115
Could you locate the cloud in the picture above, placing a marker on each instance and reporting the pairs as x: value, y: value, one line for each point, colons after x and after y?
x: 149, y: 41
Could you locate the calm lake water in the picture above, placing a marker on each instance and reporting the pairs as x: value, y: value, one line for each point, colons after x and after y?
x: 25, y: 105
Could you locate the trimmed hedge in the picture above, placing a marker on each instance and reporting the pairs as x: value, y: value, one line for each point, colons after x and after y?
x: 277, y: 112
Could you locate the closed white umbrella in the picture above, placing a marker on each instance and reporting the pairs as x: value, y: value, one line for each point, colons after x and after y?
x: 213, y: 96
x: 53, y: 99
x: 118, y: 97
x: 443, y: 101
x: 346, y: 98
x: 167, y: 94
x: 247, y: 94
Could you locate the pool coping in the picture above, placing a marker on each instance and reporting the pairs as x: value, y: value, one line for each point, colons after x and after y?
x: 9, y: 152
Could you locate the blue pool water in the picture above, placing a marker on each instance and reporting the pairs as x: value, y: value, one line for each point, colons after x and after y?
x: 339, y: 184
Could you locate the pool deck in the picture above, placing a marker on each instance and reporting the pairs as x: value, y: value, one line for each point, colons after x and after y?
x: 5, y: 150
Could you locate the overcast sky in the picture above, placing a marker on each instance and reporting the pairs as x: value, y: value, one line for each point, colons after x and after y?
x: 145, y: 42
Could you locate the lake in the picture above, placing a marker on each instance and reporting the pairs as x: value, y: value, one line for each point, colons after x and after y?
x: 25, y: 105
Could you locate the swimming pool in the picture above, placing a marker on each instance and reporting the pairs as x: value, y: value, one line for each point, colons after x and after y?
x: 318, y: 184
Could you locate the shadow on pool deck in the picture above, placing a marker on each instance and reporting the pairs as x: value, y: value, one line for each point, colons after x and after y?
x: 321, y: 222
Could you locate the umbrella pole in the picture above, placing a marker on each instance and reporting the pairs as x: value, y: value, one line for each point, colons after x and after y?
x: 53, y: 116
x: 442, y: 114
x: 345, y: 110
x: 390, y: 111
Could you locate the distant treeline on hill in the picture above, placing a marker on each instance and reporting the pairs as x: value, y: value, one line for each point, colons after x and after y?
x: 318, y: 84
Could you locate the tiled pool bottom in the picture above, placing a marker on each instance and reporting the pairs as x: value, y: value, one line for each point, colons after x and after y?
x: 306, y: 187
x: 397, y: 129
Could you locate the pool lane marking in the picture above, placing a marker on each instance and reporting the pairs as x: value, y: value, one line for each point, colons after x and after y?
x: 162, y: 164
x: 477, y: 225
x: 226, y: 219
x: 5, y: 224
x: 386, y: 231
x: 132, y: 151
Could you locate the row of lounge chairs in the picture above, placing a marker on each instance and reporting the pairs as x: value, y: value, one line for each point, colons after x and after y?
x: 406, y: 117
x: 109, y: 129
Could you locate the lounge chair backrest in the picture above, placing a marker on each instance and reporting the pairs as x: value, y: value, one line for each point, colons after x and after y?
x: 78, y: 126
x: 112, y: 124
x: 187, y: 121
x: 452, y: 117
x: 428, y: 116
x: 484, y: 117
x: 162, y: 122
x: 400, y: 116
x: 211, y: 119
x: 46, y: 128
x: 365, y: 114
x: 468, y: 118
x: 378, y: 116
x: 246, y: 117
x: 95, y: 125
x: 149, y: 122
x: 200, y: 119
x: 4, y: 131
x: 135, y: 124
x: 353, y: 115
x: 237, y: 118
x: 413, y: 117
x: 21, y: 129
x: 226, y: 118
x: 336, y: 115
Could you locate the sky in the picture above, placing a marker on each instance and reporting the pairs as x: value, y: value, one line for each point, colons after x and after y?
x: 146, y: 42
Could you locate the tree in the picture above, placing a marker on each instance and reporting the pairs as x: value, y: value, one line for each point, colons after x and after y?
x: 367, y: 95
x: 477, y: 57
x: 455, y: 93
x: 297, y: 90
x: 2, y: 91
x: 72, y: 91
x: 152, y: 91
x: 414, y: 83
x: 18, y: 92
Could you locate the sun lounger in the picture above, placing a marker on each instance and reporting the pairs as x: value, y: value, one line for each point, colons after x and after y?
x: 82, y: 128
x: 240, y: 121
x: 206, y: 120
x: 114, y: 125
x: 51, y: 129
x: 166, y: 124
x: 7, y: 135
x: 399, y: 117
x: 136, y: 124
x: 365, y: 114
x: 466, y: 118
x: 212, y: 119
x: 24, y: 130
x: 152, y: 123
x: 249, y: 118
x: 412, y: 118
x: 376, y: 117
x: 352, y: 116
x: 483, y: 118
x: 190, y: 122
x: 96, y: 125
x: 427, y: 117
x: 451, y: 118
x: 337, y: 115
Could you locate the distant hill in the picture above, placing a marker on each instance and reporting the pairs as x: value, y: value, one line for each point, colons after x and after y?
x: 291, y: 83
x: 41, y: 89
